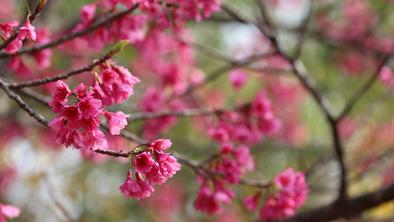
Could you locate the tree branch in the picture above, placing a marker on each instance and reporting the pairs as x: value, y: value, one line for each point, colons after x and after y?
x: 47, y: 80
x: 22, y: 104
x: 30, y: 18
x: 346, y: 209
x: 73, y: 35
x: 363, y: 90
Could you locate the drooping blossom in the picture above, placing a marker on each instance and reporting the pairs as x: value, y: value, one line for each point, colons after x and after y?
x: 79, y: 115
x: 234, y: 162
x: 292, y: 194
x: 251, y: 202
x: 210, y: 200
x: 116, y: 121
x: 114, y: 84
x: 27, y: 31
x: 248, y: 125
x: 152, y: 167
x: 136, y: 188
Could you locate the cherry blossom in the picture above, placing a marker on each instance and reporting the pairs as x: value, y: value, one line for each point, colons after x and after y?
x: 152, y: 167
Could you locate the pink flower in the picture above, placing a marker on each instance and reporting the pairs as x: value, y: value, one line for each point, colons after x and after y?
x: 168, y: 164
x: 206, y: 201
x: 276, y: 208
x: 77, y: 123
x: 143, y: 162
x: 60, y: 95
x: 152, y: 164
x: 269, y: 125
x: 115, y: 85
x: 136, y: 188
x: 293, y: 191
x: 154, y: 176
x: 261, y: 105
x: 251, y: 202
x: 7, y: 28
x: 244, y: 158
x: 116, y: 121
x: 219, y: 133
x: 237, y: 78
x: 234, y: 162
x: 89, y: 107
x: 14, y: 46
x: 161, y: 144
x: 27, y: 31
x: 8, y: 211
x: 87, y: 13
x: 291, y: 182
x: 210, y: 201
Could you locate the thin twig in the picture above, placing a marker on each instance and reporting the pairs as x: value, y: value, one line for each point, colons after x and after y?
x: 71, y: 36
x: 22, y: 104
x: 43, y: 81
x: 30, y: 18
x: 363, y: 90
x: 231, y: 65
x: 187, y: 112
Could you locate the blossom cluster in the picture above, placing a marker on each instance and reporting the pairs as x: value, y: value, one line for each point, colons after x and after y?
x: 230, y: 165
x: 234, y: 162
x: 27, y: 34
x: 212, y: 195
x: 79, y: 112
x: 26, y: 31
x: 358, y: 21
x: 244, y: 127
x: 291, y: 195
x: 152, y: 166
x: 249, y: 125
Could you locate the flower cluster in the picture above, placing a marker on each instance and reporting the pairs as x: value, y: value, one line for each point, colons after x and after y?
x: 152, y: 167
x: 210, y: 198
x: 357, y: 24
x: 249, y: 124
x: 291, y: 195
x: 244, y: 127
x: 8, y: 211
x: 80, y: 111
x: 26, y: 31
x: 234, y: 162
x: 114, y: 84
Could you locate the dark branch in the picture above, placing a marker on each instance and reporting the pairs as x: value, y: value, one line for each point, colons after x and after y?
x: 363, y: 90
x: 22, y: 104
x: 43, y: 81
x: 348, y: 208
